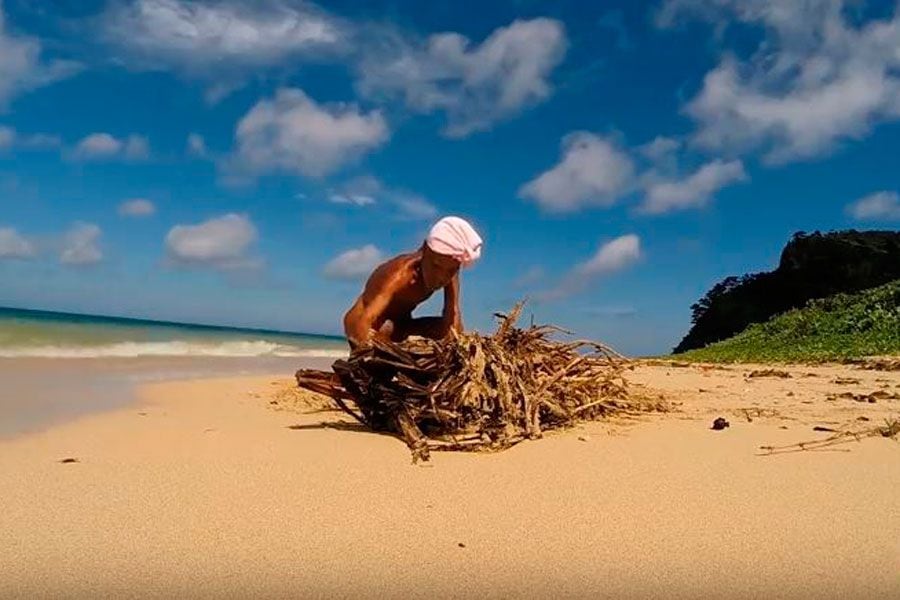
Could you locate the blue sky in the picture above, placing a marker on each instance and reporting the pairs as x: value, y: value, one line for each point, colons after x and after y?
x: 248, y: 163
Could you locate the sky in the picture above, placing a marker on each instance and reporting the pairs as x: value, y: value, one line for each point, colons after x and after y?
x: 248, y: 164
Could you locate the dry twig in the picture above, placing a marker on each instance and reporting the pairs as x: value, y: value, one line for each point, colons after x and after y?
x: 479, y: 392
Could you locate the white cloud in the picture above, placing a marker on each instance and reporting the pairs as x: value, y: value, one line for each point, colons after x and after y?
x: 661, y: 149
x: 693, y: 191
x: 9, y: 138
x: 616, y: 312
x: 884, y: 206
x: 475, y: 86
x: 205, y: 39
x: 196, y: 145
x: 593, y: 171
x: 354, y: 264
x: 40, y: 141
x: 98, y: 145
x: 530, y: 277
x: 14, y: 245
x: 293, y: 134
x: 816, y: 80
x: 221, y: 243
x: 611, y: 257
x: 355, y: 199
x: 414, y: 206
x: 136, y: 147
x: 137, y: 207
x: 367, y: 191
x: 104, y: 146
x: 358, y: 191
x: 81, y: 245
x: 21, y: 66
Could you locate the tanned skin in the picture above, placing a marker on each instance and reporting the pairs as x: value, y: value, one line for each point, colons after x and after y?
x: 395, y: 289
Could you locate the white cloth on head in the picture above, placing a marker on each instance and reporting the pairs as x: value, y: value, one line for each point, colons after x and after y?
x: 452, y: 236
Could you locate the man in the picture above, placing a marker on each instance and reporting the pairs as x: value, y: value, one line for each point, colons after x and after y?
x: 398, y: 286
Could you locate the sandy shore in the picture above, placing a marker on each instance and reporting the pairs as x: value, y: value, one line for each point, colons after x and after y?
x: 40, y: 392
x: 209, y: 489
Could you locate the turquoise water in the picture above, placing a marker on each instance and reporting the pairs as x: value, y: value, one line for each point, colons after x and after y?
x: 42, y: 334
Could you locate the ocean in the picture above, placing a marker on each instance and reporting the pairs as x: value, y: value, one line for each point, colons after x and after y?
x: 58, y: 366
x: 44, y: 334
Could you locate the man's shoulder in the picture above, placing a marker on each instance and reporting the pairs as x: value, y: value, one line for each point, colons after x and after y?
x: 399, y: 262
x: 397, y: 267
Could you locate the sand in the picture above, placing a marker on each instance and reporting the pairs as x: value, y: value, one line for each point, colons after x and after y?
x: 209, y: 489
x: 40, y: 392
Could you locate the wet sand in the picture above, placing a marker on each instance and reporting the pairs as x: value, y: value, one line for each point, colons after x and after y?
x: 39, y: 392
x: 241, y: 487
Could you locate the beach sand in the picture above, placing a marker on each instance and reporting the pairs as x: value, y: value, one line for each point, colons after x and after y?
x: 236, y: 488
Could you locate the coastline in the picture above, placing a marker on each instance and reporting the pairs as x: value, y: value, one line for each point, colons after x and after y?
x: 38, y: 393
x: 205, y: 488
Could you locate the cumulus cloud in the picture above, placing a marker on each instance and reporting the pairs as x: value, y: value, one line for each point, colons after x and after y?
x: 692, y: 191
x: 196, y: 145
x: 816, y: 80
x: 21, y: 67
x: 221, y: 243
x: 611, y: 257
x: 292, y: 133
x: 475, y: 86
x: 98, y: 145
x: 137, y: 207
x: 222, y: 40
x: 593, y: 171
x: 81, y: 245
x: 15, y: 245
x: 880, y: 206
x: 104, y: 146
x: 354, y: 264
x: 596, y: 172
x: 661, y: 150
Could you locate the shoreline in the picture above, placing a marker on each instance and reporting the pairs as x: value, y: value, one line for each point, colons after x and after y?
x: 39, y: 393
x: 209, y: 489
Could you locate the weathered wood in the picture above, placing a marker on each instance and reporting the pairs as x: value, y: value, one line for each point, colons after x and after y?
x: 478, y: 392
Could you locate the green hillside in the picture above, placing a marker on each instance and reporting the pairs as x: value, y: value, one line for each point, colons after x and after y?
x: 843, y: 326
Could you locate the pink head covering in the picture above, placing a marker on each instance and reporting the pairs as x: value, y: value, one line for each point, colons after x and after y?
x: 452, y: 236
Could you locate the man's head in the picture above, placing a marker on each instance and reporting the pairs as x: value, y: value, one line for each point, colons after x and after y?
x: 451, y: 244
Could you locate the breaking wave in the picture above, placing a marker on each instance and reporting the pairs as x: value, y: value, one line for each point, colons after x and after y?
x: 172, y: 348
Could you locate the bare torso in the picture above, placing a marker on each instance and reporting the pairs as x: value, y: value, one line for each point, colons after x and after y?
x: 391, y: 294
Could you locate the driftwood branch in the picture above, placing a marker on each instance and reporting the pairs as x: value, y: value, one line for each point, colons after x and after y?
x: 891, y: 429
x: 471, y: 391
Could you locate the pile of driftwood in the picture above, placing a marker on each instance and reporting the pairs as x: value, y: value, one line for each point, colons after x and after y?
x: 474, y: 392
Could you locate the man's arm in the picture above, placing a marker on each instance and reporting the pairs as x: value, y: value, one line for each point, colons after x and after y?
x: 452, y: 315
x: 436, y: 328
x: 360, y: 320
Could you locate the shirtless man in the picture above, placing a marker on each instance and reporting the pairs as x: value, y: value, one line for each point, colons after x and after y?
x: 398, y: 286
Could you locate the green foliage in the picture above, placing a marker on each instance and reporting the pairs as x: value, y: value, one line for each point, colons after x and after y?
x: 838, y: 327
x: 812, y: 265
